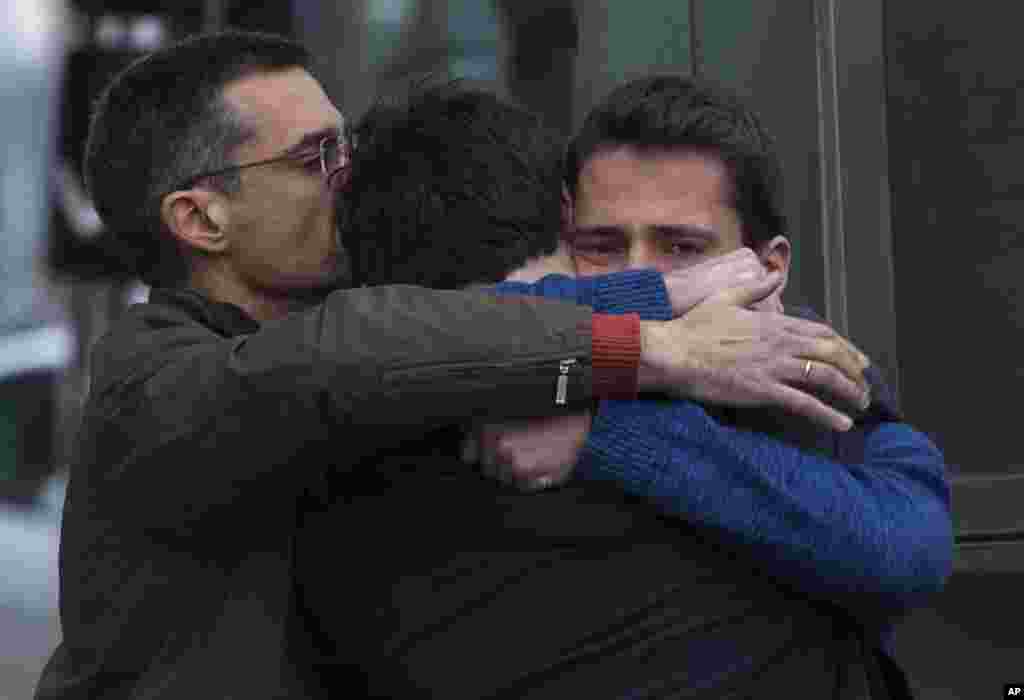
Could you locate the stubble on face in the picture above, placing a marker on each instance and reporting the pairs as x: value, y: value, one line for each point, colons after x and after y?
x: 284, y: 238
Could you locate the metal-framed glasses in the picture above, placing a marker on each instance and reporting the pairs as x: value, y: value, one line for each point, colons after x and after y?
x: 334, y: 153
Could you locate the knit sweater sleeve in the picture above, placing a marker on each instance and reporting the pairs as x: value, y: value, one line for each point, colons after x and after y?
x: 617, y: 300
x: 631, y: 291
x: 876, y: 533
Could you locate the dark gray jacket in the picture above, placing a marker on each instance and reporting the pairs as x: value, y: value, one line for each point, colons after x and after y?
x: 204, y: 434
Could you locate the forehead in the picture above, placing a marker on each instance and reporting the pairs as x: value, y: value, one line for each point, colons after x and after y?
x: 281, y: 106
x: 626, y: 185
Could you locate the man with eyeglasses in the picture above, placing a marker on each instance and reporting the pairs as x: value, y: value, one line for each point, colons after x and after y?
x: 220, y: 410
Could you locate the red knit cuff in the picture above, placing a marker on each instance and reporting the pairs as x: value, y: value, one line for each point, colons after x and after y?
x: 615, y: 356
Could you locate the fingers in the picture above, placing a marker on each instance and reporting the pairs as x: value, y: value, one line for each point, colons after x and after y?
x: 828, y: 346
x: 748, y: 293
x: 803, y: 404
x: 689, y: 286
x: 836, y: 352
x: 740, y: 265
x: 824, y: 380
x: 535, y: 454
x: 813, y: 329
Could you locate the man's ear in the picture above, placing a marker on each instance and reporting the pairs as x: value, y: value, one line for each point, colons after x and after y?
x: 776, y: 255
x: 197, y: 219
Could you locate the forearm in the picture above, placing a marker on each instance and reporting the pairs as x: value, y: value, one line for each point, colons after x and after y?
x: 634, y: 291
x: 413, y: 356
x: 366, y: 368
x: 879, y: 529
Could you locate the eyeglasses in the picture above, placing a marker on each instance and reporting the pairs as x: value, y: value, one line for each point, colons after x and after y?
x: 334, y: 154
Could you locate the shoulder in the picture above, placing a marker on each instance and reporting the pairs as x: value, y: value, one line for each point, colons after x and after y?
x: 140, y: 336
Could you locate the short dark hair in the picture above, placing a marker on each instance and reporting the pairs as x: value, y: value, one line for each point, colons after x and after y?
x: 667, y: 112
x: 450, y: 185
x: 163, y: 120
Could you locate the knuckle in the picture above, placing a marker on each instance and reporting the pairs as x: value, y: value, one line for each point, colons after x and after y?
x: 829, y: 376
x: 828, y: 349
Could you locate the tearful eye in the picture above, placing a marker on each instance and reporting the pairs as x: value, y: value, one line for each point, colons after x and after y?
x: 598, y: 251
x: 684, y: 248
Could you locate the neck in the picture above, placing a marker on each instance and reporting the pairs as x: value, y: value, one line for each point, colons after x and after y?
x: 258, y: 304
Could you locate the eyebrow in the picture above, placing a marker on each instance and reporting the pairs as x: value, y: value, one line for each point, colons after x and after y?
x: 664, y: 230
x: 685, y: 230
x: 598, y: 230
x: 312, y: 140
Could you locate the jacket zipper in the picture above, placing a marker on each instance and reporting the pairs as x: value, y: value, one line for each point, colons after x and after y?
x: 563, y: 380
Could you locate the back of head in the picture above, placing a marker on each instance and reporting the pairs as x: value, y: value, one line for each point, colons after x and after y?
x: 672, y: 112
x: 450, y: 186
x: 163, y: 120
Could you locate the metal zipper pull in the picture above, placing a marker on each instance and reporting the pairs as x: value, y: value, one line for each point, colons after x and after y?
x: 563, y: 380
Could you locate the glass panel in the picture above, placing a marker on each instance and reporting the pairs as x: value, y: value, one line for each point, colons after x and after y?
x: 384, y: 22
x: 623, y: 40
x: 956, y: 132
x: 474, y: 36
x: 647, y: 37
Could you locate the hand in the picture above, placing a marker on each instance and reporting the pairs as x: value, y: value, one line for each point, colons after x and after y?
x: 689, y: 286
x: 531, y: 455
x: 723, y: 353
x: 558, y: 263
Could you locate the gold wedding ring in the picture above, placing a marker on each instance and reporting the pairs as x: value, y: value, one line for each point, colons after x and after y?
x: 808, y: 368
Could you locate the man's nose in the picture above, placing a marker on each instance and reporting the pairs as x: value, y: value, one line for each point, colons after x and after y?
x: 643, y: 255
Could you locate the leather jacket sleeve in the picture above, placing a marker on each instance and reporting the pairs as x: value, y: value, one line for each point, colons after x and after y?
x: 187, y: 419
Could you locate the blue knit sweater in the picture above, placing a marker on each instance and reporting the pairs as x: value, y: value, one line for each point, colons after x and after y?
x: 873, y: 535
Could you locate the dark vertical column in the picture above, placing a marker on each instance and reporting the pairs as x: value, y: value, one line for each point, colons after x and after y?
x: 859, y: 267
x: 335, y: 32
x: 543, y: 39
x: 424, y: 45
x: 830, y: 169
x: 215, y: 15
x: 815, y: 72
x: 956, y: 120
x: 955, y: 116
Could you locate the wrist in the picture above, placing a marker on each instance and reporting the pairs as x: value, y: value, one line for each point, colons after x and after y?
x: 663, y: 361
x: 650, y: 372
